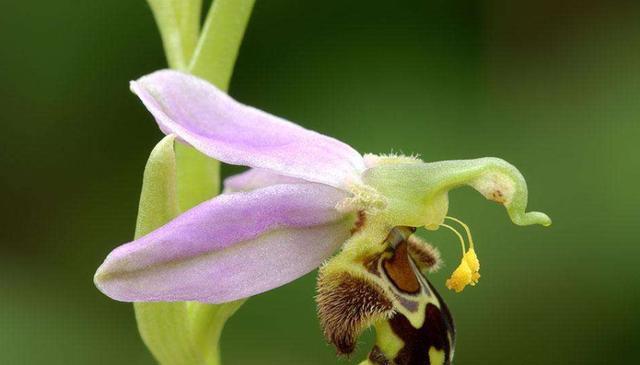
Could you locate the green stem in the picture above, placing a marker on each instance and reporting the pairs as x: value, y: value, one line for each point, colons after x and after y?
x: 213, y: 60
x: 198, y: 177
x: 179, y: 25
x: 178, y: 177
x: 217, y: 49
x: 207, y: 322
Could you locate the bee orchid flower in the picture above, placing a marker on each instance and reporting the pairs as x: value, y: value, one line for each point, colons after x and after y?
x: 306, y: 196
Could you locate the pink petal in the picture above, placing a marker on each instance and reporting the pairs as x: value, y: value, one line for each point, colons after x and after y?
x: 230, y: 247
x: 222, y: 128
x: 257, y: 178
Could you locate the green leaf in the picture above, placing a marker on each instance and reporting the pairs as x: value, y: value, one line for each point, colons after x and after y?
x: 179, y: 25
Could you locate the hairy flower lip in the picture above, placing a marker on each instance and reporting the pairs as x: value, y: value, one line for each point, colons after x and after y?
x: 296, y: 174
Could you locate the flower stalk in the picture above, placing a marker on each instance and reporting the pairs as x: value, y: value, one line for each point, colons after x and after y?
x: 178, y: 177
x: 179, y: 25
x: 215, y: 55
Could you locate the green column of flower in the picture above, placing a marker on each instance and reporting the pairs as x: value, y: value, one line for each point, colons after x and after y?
x: 177, y: 177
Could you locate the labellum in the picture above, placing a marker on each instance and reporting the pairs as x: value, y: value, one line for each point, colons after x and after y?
x: 387, y: 290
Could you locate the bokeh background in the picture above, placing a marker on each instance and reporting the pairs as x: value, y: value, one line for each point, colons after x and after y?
x: 551, y: 86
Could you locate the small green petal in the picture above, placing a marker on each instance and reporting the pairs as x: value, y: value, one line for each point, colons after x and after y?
x: 158, y: 198
x: 417, y: 192
x: 163, y: 326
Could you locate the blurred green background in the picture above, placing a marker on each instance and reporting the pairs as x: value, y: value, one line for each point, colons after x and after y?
x: 551, y: 86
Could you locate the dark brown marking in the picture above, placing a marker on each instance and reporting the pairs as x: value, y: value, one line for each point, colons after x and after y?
x: 398, y: 268
x: 498, y: 196
x: 418, y: 341
x: 448, y: 318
